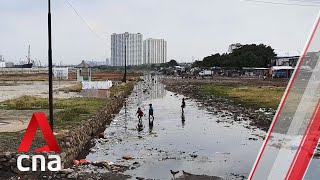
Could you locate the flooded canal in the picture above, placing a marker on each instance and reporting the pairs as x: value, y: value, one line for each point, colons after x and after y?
x: 196, y: 141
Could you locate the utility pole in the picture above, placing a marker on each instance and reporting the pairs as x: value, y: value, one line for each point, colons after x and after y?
x: 50, y: 66
x: 125, y: 57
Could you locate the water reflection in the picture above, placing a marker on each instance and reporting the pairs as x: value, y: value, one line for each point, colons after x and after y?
x: 149, y: 89
x: 125, y: 116
x: 183, y: 119
x: 165, y: 145
x: 140, y: 126
x: 150, y: 125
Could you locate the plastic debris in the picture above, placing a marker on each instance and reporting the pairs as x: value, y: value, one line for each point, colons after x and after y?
x: 127, y: 157
x: 76, y: 162
x: 84, y: 161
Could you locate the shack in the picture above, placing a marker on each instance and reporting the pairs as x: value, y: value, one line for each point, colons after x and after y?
x: 83, y: 72
x: 255, y: 72
x: 282, y: 71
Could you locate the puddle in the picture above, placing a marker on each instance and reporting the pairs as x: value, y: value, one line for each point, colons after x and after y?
x: 198, y: 141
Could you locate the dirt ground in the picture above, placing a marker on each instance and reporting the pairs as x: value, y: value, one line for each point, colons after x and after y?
x: 10, y: 89
x: 17, y: 120
x: 113, y: 76
x: 14, y: 121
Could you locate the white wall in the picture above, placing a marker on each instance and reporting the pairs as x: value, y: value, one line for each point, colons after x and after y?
x: 96, y: 84
x: 60, y: 73
x: 2, y: 64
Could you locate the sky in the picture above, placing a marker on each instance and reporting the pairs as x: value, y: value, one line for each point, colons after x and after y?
x: 193, y: 29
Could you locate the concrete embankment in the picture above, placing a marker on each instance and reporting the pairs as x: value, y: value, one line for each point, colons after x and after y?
x: 73, y: 141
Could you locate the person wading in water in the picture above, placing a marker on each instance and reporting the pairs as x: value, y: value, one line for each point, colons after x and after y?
x: 151, y: 115
x: 183, y: 105
x: 140, y: 114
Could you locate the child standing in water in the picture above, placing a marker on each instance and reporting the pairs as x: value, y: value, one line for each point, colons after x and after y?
x: 183, y: 105
x: 140, y: 114
x: 151, y: 111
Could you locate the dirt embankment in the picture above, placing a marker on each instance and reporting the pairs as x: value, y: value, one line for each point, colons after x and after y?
x: 257, y: 117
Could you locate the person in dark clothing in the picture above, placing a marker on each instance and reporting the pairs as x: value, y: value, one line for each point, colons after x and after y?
x: 151, y: 111
x: 140, y: 114
x: 183, y: 105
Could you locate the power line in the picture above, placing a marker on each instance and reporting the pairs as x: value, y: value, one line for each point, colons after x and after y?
x: 306, y: 1
x: 91, y: 29
x: 280, y: 3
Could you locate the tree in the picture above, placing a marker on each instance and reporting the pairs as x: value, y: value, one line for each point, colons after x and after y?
x: 251, y: 55
x: 172, y: 63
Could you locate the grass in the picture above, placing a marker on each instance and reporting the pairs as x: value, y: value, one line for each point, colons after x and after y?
x: 68, y: 112
x: 73, y: 88
x: 121, y: 87
x: 251, y: 96
x: 32, y: 103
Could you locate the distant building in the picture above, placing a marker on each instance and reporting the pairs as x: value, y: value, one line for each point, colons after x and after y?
x: 96, y: 63
x: 9, y: 64
x: 2, y: 62
x: 108, y: 62
x: 129, y: 45
x: 282, y: 71
x: 286, y: 58
x: 83, y: 72
x: 233, y: 47
x: 154, y: 51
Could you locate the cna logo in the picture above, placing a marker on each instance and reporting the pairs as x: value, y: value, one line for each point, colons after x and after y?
x: 39, y: 120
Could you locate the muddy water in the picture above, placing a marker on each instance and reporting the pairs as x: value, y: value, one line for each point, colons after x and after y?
x: 204, y: 143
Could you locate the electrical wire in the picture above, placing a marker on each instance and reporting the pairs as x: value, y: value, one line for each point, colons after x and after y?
x: 78, y: 14
x: 281, y: 3
x: 306, y: 1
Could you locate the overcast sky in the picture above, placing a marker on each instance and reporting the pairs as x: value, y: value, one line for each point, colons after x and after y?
x: 192, y: 28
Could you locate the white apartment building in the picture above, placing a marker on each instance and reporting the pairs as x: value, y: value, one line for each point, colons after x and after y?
x: 129, y: 45
x: 154, y: 51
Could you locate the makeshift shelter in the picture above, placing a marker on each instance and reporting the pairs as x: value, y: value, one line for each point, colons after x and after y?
x: 83, y: 72
x: 282, y: 71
